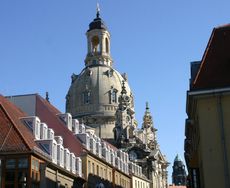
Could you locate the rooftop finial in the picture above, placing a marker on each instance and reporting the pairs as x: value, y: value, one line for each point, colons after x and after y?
x: 147, y: 106
x: 47, y: 96
x: 98, y: 10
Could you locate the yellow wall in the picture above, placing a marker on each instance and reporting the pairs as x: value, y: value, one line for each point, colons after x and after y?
x: 94, y: 166
x: 210, y: 146
x: 139, y: 182
x: 122, y: 180
x: 55, y: 176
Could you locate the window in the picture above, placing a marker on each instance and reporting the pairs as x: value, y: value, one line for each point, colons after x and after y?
x: 105, y: 174
x: 16, y: 172
x: 10, y: 172
x: 93, y: 168
x: 98, y: 171
x: 110, y: 176
x: 101, y: 172
x: 95, y: 43
x: 89, y: 167
x: 113, y: 96
x: 107, y: 45
x: 29, y: 124
x: 10, y: 164
x: 86, y: 97
x: 35, y: 167
x: 23, y: 163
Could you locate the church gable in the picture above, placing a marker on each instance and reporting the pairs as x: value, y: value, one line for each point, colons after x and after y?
x: 159, y: 157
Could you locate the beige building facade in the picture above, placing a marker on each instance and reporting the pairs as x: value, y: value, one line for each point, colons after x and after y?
x: 140, y: 182
x: 98, y: 171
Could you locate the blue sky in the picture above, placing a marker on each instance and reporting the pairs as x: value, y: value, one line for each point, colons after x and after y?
x: 43, y: 42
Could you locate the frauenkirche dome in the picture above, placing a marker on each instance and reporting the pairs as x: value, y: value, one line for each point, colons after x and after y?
x: 93, y: 95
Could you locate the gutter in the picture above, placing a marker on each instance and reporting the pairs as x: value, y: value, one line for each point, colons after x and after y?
x: 209, y: 91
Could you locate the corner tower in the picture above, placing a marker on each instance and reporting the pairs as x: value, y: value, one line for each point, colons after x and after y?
x: 93, y: 95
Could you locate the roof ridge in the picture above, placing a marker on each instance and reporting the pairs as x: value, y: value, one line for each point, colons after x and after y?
x: 19, y: 95
x: 227, y: 25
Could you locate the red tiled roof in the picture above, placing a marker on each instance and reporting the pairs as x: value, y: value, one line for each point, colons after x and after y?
x: 48, y: 114
x: 110, y: 145
x: 215, y: 64
x: 14, y: 135
x: 177, y: 186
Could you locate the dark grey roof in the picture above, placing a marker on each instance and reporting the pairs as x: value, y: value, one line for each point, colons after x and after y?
x: 97, y: 23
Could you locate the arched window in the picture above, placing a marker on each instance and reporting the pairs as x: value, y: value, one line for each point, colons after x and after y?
x: 106, y: 45
x: 95, y: 44
x: 113, y: 96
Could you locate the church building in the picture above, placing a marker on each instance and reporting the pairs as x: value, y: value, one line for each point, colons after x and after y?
x: 179, y: 176
x: 93, y: 95
x: 101, y: 98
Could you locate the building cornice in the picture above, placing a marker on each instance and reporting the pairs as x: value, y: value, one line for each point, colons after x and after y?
x: 191, y: 95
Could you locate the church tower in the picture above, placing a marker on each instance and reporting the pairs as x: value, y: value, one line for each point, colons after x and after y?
x: 124, y: 124
x: 149, y: 130
x: 98, y: 42
x: 179, y: 176
x: 93, y: 95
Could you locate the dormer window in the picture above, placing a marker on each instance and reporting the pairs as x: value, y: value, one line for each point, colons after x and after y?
x: 86, y: 97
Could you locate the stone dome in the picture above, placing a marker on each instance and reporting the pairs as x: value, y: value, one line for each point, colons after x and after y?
x: 93, y: 94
